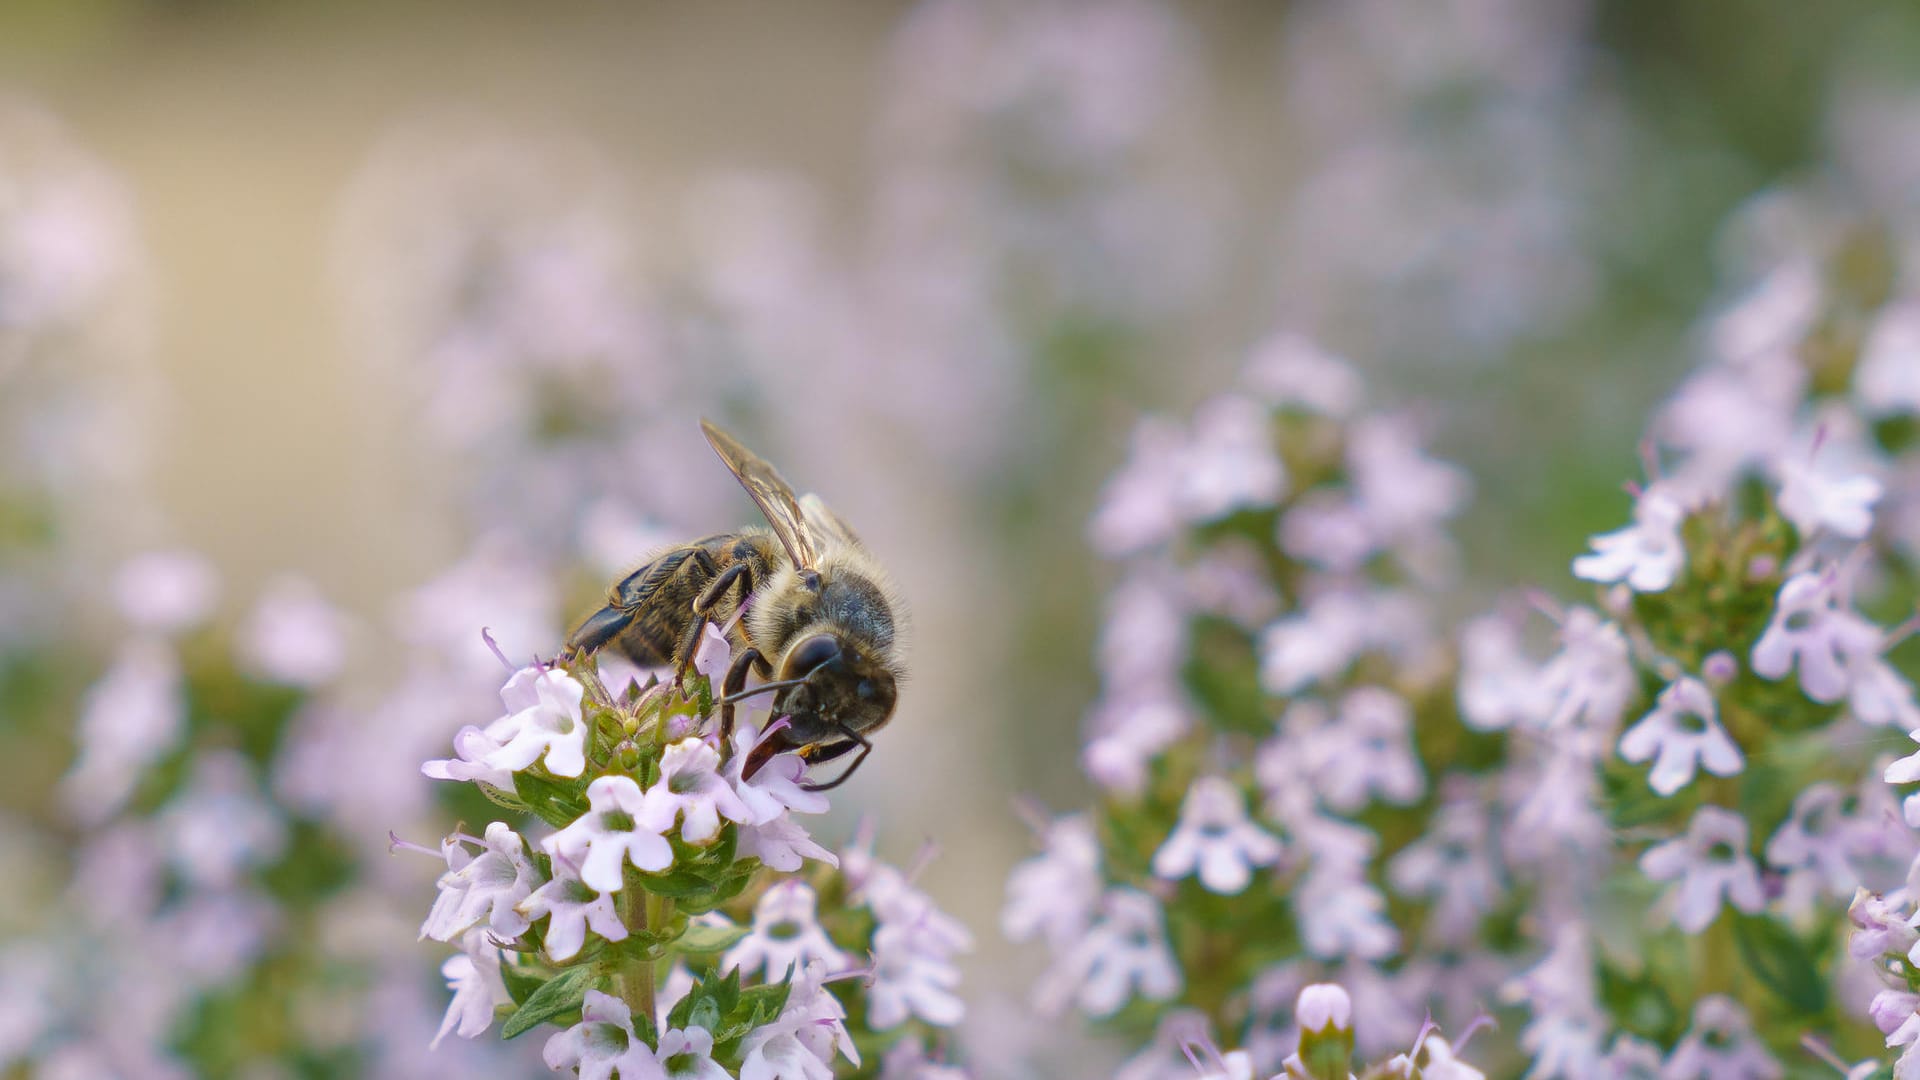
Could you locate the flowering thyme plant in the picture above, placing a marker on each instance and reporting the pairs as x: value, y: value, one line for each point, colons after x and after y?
x: 668, y: 914
x: 1286, y: 796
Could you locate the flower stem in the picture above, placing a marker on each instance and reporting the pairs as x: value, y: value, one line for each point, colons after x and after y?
x: 636, y: 967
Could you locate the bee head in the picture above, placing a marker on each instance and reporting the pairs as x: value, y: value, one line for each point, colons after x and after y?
x: 842, y: 689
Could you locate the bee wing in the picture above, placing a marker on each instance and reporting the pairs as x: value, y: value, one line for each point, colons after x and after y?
x: 826, y: 523
x: 770, y: 493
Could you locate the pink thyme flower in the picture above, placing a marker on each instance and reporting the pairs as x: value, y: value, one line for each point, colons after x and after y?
x: 571, y: 908
x: 610, y: 834
x: 1811, y: 631
x: 1720, y: 1046
x: 1710, y: 864
x: 1216, y: 838
x: 691, y: 790
x: 1681, y: 734
x: 785, y: 935
x: 1648, y: 554
x: 544, y: 719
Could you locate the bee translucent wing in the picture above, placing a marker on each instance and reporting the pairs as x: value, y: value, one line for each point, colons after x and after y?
x: 826, y: 523
x: 770, y: 493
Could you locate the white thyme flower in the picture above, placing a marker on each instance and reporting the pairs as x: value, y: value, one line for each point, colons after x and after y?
x: 543, y: 719
x: 1124, y: 952
x: 687, y: 1054
x: 1229, y: 460
x: 1452, y: 865
x: 609, y: 834
x: 1588, y: 683
x: 1877, y: 694
x: 691, y: 791
x: 1681, y: 734
x: 294, y: 636
x: 1289, y: 370
x: 782, y: 844
x: 1810, y: 630
x: 488, y: 886
x: 474, y: 978
x: 913, y: 976
x: 801, y: 1044
x: 132, y: 716
x: 785, y: 935
x: 1880, y: 926
x: 1499, y: 683
x: 1709, y: 865
x: 776, y: 788
x: 220, y: 826
x: 572, y: 907
x: 1888, y: 378
x: 603, y: 1044
x: 1820, y: 836
x: 1363, y: 752
x: 1216, y: 838
x: 472, y: 746
x: 1053, y: 894
x: 1648, y: 554
x: 1720, y: 1046
x: 1341, y: 915
x: 1813, y: 500
x: 1138, y: 508
x: 166, y: 591
x: 1440, y: 1064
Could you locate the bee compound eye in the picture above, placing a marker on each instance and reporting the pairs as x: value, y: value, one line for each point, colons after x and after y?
x: 810, y: 654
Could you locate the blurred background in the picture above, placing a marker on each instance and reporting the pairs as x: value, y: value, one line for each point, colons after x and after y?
x: 331, y: 333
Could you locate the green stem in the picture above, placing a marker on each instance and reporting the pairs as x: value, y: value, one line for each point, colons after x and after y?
x: 636, y: 967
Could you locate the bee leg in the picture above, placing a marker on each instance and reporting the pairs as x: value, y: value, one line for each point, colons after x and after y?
x: 735, y: 682
x: 838, y: 750
x: 708, y: 599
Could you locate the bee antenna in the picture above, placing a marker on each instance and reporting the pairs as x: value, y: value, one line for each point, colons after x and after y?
x: 761, y: 689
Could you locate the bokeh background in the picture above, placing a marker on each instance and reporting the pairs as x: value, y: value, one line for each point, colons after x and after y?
x: 402, y: 316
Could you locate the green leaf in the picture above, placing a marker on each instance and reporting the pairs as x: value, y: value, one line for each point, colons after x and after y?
x: 725, y: 992
x: 681, y: 882
x: 556, y: 805
x: 1782, y: 963
x: 764, y: 999
x: 502, y: 797
x: 521, y: 983
x: 561, y: 994
x: 710, y: 939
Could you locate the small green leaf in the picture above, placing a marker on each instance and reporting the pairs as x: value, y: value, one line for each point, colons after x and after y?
x: 502, y: 797
x: 1781, y: 962
x: 710, y: 939
x: 521, y: 983
x: 556, y: 805
x: 768, y: 999
x: 560, y: 994
x: 682, y: 882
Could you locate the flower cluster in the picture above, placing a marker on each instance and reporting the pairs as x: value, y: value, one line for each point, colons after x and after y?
x: 1722, y: 718
x: 665, y: 910
x: 1275, y: 807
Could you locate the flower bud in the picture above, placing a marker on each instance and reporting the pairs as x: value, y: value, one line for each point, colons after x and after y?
x: 1325, y: 1014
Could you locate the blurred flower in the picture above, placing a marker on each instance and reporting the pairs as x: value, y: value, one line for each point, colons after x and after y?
x: 294, y: 636
x: 1720, y: 1044
x: 784, y: 937
x: 1123, y: 952
x: 1648, y: 554
x: 1810, y: 630
x: 1681, y: 734
x: 1215, y: 838
x: 1710, y: 863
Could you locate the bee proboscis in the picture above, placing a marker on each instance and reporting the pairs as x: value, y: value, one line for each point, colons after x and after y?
x: 821, y: 622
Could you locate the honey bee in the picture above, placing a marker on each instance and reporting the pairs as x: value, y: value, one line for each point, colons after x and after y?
x: 822, y: 622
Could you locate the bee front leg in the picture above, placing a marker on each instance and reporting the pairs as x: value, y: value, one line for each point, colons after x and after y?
x: 709, y: 598
x: 815, y: 756
x: 735, y: 682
